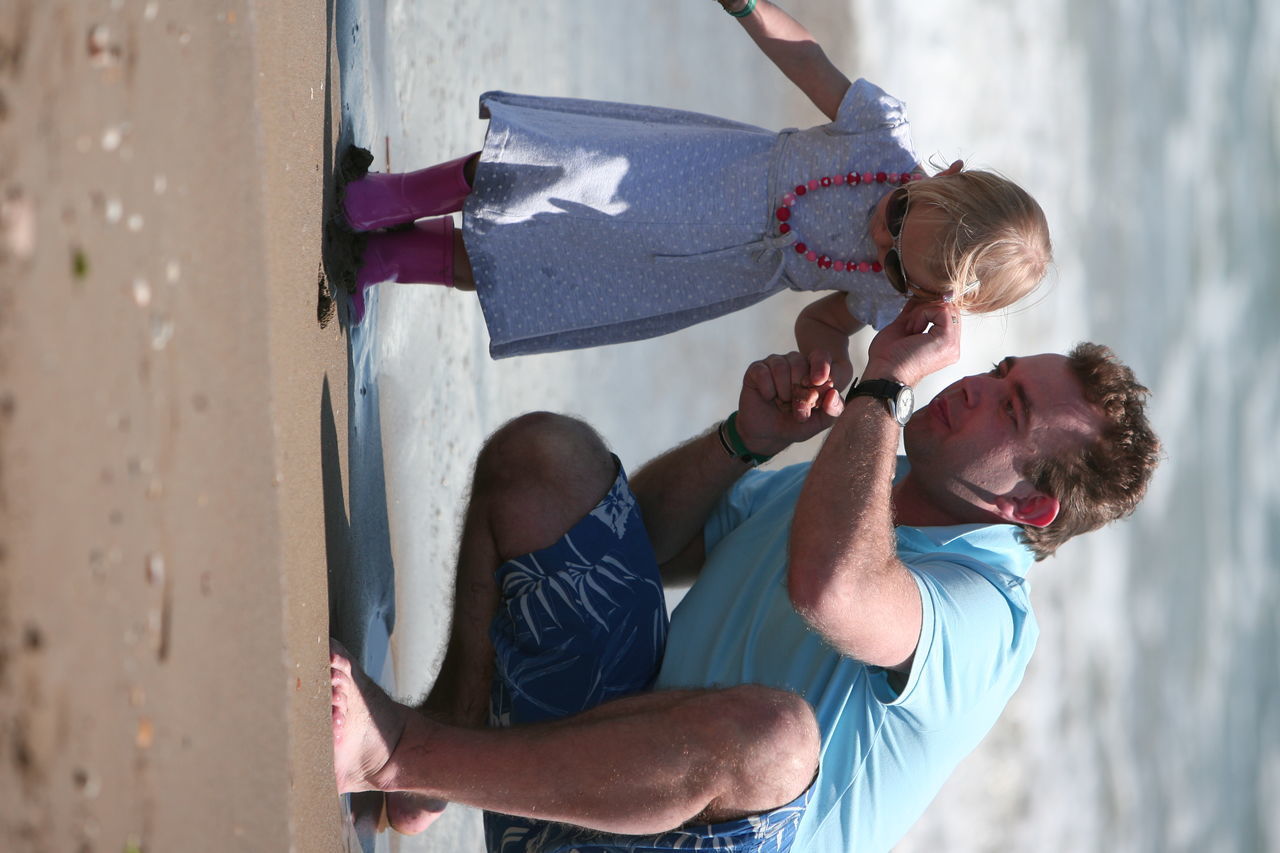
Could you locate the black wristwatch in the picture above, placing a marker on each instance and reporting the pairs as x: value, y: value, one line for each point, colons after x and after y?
x: 901, y: 399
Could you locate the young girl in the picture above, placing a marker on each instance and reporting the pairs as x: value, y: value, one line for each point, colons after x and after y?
x: 588, y: 223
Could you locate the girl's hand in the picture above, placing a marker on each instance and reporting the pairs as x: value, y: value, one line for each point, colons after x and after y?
x: 823, y: 328
x: 841, y: 370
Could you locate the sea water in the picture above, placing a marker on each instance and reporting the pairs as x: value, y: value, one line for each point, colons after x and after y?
x: 1149, y: 719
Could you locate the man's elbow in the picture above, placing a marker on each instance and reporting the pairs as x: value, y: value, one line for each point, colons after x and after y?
x: 812, y: 587
x: 803, y: 591
x: 852, y: 617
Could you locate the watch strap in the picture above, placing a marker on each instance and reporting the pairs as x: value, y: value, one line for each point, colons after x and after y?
x: 897, y: 397
x: 884, y: 389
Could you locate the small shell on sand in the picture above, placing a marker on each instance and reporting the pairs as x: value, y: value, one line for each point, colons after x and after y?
x: 141, y: 292
x: 155, y: 568
x: 87, y: 783
x: 103, y: 52
x: 111, y: 138
x: 17, y: 226
x: 161, y: 333
x: 146, y: 733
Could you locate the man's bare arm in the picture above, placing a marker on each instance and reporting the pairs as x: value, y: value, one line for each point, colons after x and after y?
x: 784, y: 399
x: 844, y: 576
x: 677, y: 492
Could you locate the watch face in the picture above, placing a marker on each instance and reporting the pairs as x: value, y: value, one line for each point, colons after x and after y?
x: 904, y: 405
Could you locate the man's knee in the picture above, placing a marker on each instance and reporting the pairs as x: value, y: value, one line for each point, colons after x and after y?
x: 772, y: 739
x: 786, y: 744
x: 539, y: 474
x: 541, y: 446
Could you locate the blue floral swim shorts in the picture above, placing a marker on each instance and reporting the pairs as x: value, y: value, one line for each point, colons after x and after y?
x: 582, y: 622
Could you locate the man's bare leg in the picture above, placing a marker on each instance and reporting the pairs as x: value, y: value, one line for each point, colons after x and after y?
x: 534, y: 479
x: 665, y: 758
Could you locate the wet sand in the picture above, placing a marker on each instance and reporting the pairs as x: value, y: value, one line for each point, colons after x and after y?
x: 172, y: 427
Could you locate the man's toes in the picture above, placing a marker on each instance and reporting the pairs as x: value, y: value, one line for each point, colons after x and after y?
x: 339, y: 657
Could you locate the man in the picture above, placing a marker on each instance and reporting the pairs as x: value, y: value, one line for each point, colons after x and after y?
x: 859, y: 633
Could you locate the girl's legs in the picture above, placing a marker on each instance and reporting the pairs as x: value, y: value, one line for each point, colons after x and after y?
x: 382, y: 200
x: 462, y: 277
x: 429, y: 252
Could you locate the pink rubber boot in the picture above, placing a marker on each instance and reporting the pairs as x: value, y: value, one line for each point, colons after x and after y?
x: 381, y: 200
x: 422, y: 254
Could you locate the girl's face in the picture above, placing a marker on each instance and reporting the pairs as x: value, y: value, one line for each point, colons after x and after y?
x: 920, y: 234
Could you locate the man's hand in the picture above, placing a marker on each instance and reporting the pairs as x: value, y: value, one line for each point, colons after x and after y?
x: 786, y: 399
x: 923, y: 339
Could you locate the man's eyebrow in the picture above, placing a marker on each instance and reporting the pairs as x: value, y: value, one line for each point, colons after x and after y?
x: 1018, y: 389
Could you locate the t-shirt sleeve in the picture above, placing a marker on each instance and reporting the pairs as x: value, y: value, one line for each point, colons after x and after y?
x: 747, y: 496
x: 865, y: 107
x: 734, y: 508
x: 975, y: 641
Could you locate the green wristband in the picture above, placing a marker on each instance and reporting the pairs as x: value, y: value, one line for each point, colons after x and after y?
x: 735, y: 446
x: 745, y: 10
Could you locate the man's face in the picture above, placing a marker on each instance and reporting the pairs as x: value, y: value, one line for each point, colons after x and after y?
x: 969, y: 446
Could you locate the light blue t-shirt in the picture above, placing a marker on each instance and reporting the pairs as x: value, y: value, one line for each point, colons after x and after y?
x: 884, y: 754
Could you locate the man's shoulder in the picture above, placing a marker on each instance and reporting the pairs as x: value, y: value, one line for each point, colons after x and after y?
x: 994, y: 550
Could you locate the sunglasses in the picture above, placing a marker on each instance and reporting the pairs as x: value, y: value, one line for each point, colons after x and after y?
x: 895, y: 213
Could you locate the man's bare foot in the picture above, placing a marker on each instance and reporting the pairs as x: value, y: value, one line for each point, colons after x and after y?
x: 367, y: 724
x: 410, y: 813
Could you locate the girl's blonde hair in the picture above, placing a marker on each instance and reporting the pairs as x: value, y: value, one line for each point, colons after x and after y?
x: 999, y: 238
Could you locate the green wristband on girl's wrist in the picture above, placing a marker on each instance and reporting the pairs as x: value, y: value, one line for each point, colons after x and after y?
x: 745, y: 10
x: 733, y: 444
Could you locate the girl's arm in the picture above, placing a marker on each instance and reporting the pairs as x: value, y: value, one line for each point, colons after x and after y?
x: 796, y: 53
x: 825, y: 326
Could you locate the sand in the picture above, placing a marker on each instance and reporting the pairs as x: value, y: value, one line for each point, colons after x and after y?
x: 172, y: 429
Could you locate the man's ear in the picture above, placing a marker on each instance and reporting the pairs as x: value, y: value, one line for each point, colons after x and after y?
x: 1034, y: 508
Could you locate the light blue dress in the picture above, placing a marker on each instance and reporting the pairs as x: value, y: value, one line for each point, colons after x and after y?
x: 594, y: 223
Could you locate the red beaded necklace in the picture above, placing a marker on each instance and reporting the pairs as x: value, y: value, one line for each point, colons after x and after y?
x: 782, y: 214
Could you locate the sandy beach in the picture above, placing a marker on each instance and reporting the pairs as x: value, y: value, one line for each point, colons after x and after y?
x: 172, y: 427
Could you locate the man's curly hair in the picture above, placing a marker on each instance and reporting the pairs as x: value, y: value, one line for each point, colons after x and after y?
x: 1103, y: 480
